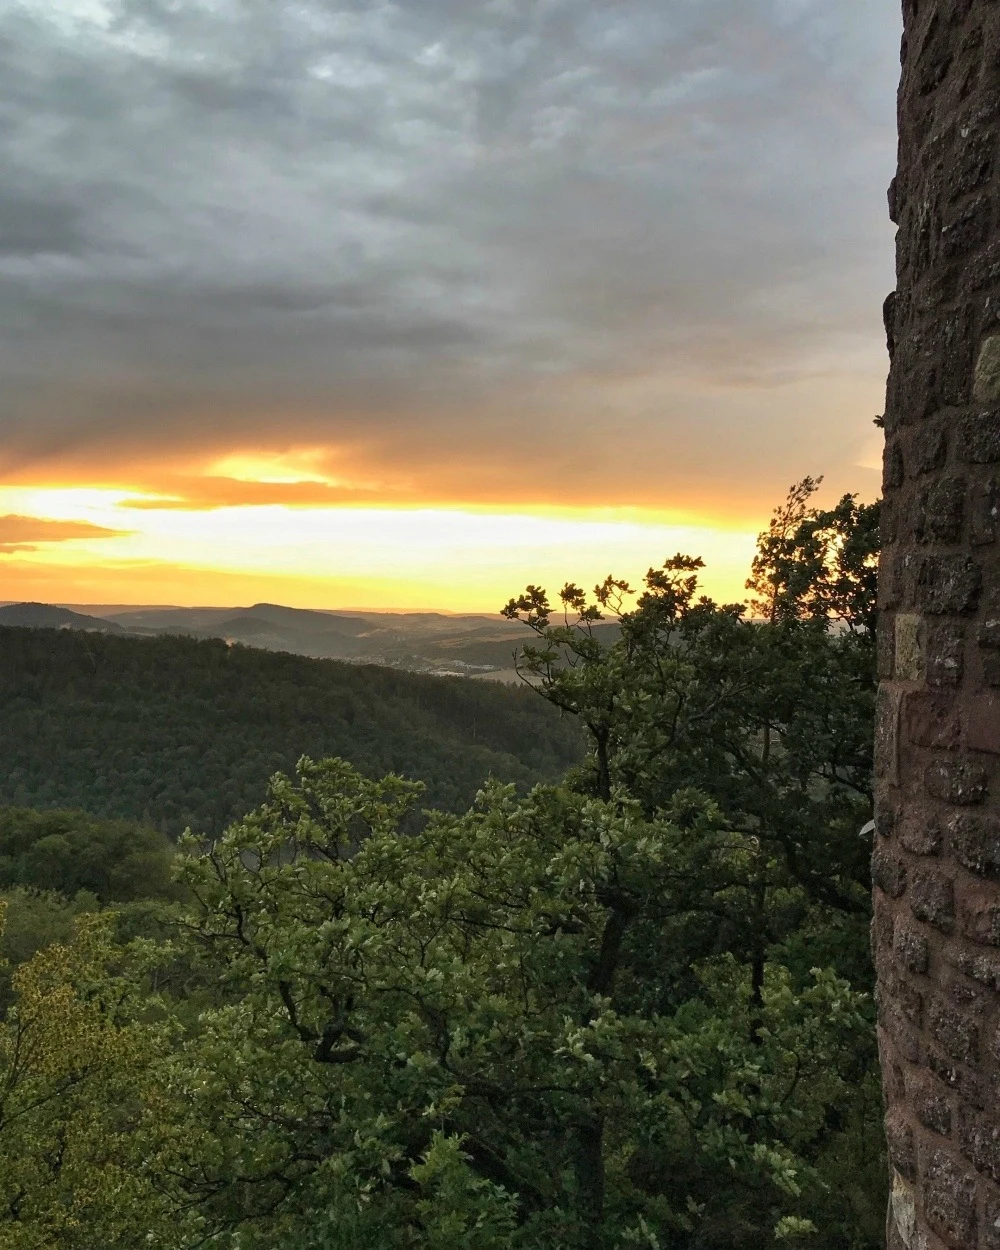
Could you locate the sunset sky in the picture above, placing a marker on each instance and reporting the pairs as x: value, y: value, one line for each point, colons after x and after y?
x: 340, y: 303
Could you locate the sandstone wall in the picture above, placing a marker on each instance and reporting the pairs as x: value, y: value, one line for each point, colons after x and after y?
x: 937, y: 846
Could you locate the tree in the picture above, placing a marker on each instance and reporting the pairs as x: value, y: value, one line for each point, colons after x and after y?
x: 457, y: 1030
x: 75, y: 1070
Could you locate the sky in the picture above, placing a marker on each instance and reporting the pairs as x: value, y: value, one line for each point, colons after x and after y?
x: 341, y: 303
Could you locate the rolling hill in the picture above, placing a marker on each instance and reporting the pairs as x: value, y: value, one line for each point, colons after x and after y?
x: 181, y: 731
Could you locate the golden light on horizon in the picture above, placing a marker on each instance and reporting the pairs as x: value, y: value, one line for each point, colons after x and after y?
x: 430, y: 557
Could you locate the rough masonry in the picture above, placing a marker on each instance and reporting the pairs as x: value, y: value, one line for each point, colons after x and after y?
x: 936, y: 863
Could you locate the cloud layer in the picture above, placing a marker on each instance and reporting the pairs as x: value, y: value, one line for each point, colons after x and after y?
x: 517, y: 250
x: 25, y: 533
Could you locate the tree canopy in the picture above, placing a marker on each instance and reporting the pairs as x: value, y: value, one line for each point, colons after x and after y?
x: 629, y: 1009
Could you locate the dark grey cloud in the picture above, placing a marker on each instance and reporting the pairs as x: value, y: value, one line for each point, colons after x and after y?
x: 419, y: 218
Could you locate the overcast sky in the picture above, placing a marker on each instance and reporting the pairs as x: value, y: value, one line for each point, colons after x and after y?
x: 509, y: 253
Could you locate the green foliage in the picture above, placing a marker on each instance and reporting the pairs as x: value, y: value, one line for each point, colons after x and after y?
x: 75, y: 1069
x: 478, y: 995
x: 35, y: 919
x: 114, y: 860
x: 175, y: 732
x: 628, y: 1010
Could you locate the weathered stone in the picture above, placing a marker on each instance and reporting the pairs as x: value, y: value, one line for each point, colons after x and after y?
x: 990, y: 662
x: 949, y: 1194
x: 931, y: 719
x: 990, y: 1232
x: 909, y: 658
x: 974, y: 164
x: 902, y: 1147
x: 886, y: 654
x: 931, y: 448
x: 937, y: 945
x: 963, y: 234
x: 979, y: 1138
x: 954, y: 1030
x: 948, y: 585
x: 887, y: 817
x: 944, y: 653
x: 979, y: 442
x: 982, y: 722
x: 931, y: 1103
x: 940, y: 511
x: 888, y: 873
x: 989, y: 629
x: 982, y: 968
x: 913, y: 950
x: 931, y: 896
x: 957, y: 780
x: 981, y: 918
x: 922, y: 835
x: 956, y: 1076
x: 975, y: 843
x: 893, y: 474
x: 908, y: 1000
x: 986, y: 384
x: 985, y: 514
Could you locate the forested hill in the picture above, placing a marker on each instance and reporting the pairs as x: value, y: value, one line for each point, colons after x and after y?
x: 183, y: 732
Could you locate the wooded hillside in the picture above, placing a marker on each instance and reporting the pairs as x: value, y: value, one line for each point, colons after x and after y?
x: 183, y: 732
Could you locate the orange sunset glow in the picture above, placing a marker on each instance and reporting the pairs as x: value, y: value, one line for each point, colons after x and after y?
x: 382, y: 346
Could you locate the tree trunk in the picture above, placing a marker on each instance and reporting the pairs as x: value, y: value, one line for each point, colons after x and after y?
x: 936, y: 859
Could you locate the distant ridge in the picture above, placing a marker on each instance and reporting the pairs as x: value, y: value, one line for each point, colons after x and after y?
x: 47, y: 616
x: 472, y: 645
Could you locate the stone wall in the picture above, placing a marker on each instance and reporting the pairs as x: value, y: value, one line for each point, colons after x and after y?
x: 937, y: 846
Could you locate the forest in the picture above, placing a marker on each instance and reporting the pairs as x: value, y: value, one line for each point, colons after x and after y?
x: 631, y: 1006
x: 176, y: 732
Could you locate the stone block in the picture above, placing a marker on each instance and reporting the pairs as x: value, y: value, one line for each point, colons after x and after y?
x: 931, y: 896
x: 908, y: 1000
x: 981, y: 916
x: 948, y: 585
x: 975, y: 843
x: 913, y: 951
x: 954, y: 346
x: 921, y: 834
x: 990, y: 662
x: 967, y: 231
x: 982, y: 728
x: 931, y: 720
x: 984, y: 969
x: 954, y: 1030
x: 941, y: 511
x: 931, y: 448
x: 931, y: 1103
x: 909, y: 652
x: 893, y: 469
x: 902, y: 1146
x: 888, y: 873
x: 958, y: 780
x: 990, y: 1232
x: 886, y: 654
x: 979, y: 1139
x: 974, y: 162
x: 986, y: 381
x: 887, y: 816
x: 984, y: 269
x: 888, y: 704
x: 956, y: 1077
x: 944, y: 653
x: 949, y: 1199
x: 979, y: 436
x: 985, y: 514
